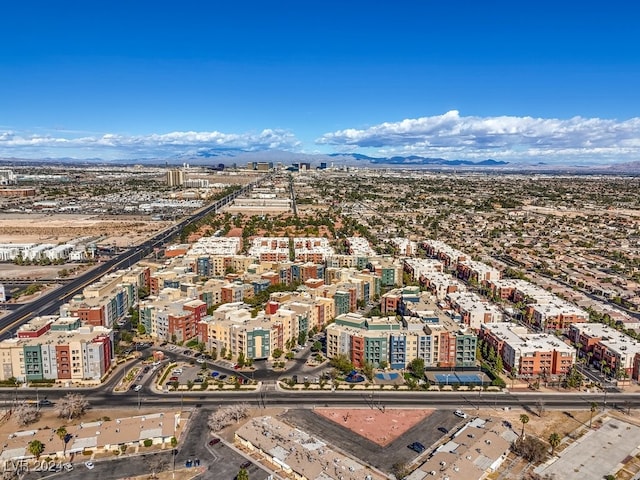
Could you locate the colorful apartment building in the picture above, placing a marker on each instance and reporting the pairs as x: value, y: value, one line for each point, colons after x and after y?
x: 57, y: 348
x: 528, y: 354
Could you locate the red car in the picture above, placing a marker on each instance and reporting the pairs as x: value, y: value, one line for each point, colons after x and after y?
x: 214, y: 441
x: 173, y: 379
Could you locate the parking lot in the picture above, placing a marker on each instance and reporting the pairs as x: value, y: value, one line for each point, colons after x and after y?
x: 427, y: 432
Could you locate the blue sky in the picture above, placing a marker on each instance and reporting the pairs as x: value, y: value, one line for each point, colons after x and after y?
x: 517, y: 81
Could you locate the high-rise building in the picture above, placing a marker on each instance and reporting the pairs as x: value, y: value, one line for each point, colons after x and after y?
x: 175, y: 177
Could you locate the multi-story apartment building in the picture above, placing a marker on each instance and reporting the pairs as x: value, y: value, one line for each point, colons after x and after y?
x: 478, y: 272
x: 607, y: 348
x: 171, y: 317
x: 449, y: 256
x: 103, y: 303
x: 557, y: 314
x: 58, y: 349
x: 473, y: 310
x: 528, y: 354
x: 440, y: 343
x: 232, y: 329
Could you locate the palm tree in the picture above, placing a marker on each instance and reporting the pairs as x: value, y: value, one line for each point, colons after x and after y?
x: 554, y: 441
x: 524, y: 418
x: 594, y: 407
x: 62, y: 433
x: 36, y: 447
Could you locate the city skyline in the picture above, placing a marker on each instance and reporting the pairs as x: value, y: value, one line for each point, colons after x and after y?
x: 550, y: 83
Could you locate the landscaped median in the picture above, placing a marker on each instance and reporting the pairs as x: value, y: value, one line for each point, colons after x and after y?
x: 291, y: 384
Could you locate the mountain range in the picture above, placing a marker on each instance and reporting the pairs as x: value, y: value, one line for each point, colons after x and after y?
x: 229, y: 157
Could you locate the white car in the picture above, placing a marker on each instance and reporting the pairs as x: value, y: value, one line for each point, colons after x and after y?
x: 460, y: 413
x: 68, y: 467
x: 137, y: 388
x: 89, y: 465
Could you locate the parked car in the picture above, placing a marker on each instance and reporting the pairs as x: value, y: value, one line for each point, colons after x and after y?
x: 137, y: 388
x: 174, y: 379
x: 214, y: 441
x: 460, y: 413
x: 222, y: 377
x: 443, y: 429
x: 246, y: 464
x: 89, y: 465
x: 417, y: 447
x: 67, y: 466
x: 215, y: 374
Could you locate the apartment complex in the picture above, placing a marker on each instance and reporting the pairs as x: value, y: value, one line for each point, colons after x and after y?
x: 528, y: 354
x: 434, y: 337
x: 607, y: 348
x: 57, y: 348
x: 105, y: 302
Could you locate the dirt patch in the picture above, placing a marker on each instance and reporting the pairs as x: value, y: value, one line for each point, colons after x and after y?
x: 120, y: 231
x: 380, y: 427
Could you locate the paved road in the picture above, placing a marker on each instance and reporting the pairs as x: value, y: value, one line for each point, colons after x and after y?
x: 271, y: 396
x: 50, y: 302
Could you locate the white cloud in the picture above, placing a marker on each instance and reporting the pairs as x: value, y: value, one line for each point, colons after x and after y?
x: 505, y: 137
x: 111, y: 145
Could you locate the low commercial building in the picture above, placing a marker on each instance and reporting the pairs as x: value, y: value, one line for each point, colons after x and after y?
x: 475, y: 451
x: 98, y: 436
x: 300, y: 455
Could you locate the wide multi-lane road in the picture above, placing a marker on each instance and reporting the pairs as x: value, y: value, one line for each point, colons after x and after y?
x: 268, y: 396
x: 49, y: 303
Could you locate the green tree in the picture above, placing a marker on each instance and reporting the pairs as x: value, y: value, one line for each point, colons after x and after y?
x: 342, y: 363
x: 524, y: 418
x: 277, y: 353
x: 241, y: 359
x: 417, y: 367
x: 242, y: 474
x: 554, y: 441
x: 35, y: 448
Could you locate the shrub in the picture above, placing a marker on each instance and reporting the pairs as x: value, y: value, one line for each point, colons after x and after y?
x: 148, y: 442
x: 87, y: 452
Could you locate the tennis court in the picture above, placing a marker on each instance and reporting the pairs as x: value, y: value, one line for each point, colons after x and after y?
x: 458, y: 378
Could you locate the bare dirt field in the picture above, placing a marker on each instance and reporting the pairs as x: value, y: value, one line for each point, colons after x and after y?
x: 381, y: 428
x: 120, y: 230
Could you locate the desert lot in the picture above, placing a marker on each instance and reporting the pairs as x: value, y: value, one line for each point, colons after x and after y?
x: 121, y: 231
